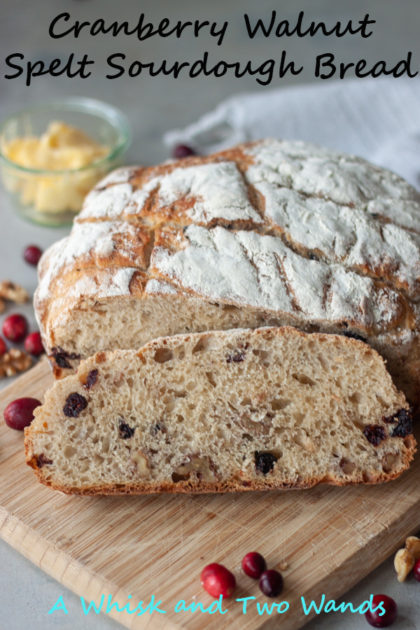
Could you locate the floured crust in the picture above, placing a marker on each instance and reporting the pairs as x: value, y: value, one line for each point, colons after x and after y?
x: 248, y: 269
x: 302, y: 234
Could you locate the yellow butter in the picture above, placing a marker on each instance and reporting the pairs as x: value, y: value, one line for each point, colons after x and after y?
x: 60, y: 148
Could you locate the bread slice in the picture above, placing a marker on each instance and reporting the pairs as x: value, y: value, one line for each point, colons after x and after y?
x: 223, y: 411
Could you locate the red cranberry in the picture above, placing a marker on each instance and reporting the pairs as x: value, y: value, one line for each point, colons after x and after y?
x: 33, y: 344
x: 3, y: 347
x: 182, y: 151
x: 15, y: 327
x: 19, y: 413
x: 416, y: 571
x: 383, y: 612
x: 32, y: 254
x: 253, y: 564
x: 271, y: 583
x: 217, y: 580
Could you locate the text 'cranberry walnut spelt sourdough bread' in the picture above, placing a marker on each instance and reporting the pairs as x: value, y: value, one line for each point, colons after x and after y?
x: 267, y: 233
x: 220, y: 411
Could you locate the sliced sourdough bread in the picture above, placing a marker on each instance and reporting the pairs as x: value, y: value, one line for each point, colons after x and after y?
x: 223, y: 411
x: 268, y: 233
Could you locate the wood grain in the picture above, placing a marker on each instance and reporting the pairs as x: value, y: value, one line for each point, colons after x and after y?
x: 139, y: 546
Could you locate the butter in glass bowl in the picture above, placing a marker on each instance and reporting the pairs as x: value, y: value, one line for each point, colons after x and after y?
x: 51, y: 156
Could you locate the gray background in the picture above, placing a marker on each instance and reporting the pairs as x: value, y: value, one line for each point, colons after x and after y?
x: 154, y: 106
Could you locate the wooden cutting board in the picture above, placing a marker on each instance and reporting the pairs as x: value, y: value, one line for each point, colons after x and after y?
x: 157, y: 545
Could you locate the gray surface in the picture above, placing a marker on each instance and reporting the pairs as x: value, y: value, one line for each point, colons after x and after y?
x: 153, y: 106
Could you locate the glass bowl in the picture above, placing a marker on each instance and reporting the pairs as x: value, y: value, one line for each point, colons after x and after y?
x: 53, y: 197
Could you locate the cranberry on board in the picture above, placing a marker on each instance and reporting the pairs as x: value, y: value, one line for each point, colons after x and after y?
x: 253, y: 564
x: 20, y: 413
x: 383, y: 612
x: 217, y: 580
x: 32, y: 254
x: 3, y: 347
x: 416, y: 571
x: 271, y: 583
x: 182, y: 150
x: 33, y: 344
x: 15, y: 327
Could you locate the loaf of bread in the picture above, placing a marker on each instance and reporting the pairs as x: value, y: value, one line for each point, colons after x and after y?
x: 220, y: 411
x: 269, y: 233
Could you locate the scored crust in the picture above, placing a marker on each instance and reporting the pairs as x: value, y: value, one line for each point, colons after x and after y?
x: 277, y: 232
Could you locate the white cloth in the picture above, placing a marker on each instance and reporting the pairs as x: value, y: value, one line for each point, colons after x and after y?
x: 378, y: 119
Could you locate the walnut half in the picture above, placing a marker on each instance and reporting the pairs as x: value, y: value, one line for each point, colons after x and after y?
x: 13, y: 293
x: 406, y: 558
x: 14, y: 362
x: 412, y: 544
x: 403, y: 564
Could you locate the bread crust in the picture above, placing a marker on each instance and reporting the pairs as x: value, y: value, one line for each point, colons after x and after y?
x: 184, y: 487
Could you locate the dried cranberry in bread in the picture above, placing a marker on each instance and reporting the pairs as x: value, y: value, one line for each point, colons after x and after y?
x: 223, y: 411
x: 266, y: 233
